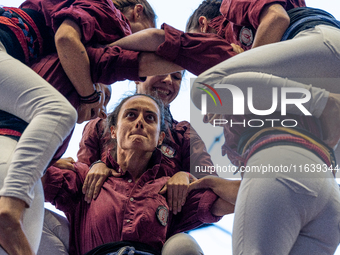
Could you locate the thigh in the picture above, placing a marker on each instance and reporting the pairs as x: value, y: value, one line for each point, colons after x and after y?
x: 321, y: 235
x: 272, y: 208
x: 23, y: 91
x: 55, y: 236
x: 310, y: 57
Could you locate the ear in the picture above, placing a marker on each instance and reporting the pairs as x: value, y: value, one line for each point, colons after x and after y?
x: 161, y: 138
x: 137, y: 11
x: 113, y: 132
x: 203, y: 22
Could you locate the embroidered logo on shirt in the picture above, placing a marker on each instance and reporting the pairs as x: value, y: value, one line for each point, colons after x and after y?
x: 168, y: 151
x: 162, y: 214
x: 246, y: 36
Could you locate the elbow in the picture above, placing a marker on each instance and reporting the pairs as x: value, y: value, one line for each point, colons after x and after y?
x: 283, y: 19
x: 64, y: 39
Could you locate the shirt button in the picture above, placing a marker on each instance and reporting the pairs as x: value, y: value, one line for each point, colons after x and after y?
x: 128, y: 221
x: 131, y: 199
x: 129, y: 180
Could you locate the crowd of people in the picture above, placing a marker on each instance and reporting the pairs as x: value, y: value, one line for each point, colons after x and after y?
x: 133, y: 188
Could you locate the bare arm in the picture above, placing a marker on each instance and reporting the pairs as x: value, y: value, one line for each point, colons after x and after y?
x: 73, y: 57
x: 151, y: 64
x: 274, y: 21
x: 226, y: 190
x: 144, y: 40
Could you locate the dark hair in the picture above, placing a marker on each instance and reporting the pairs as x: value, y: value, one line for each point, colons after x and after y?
x: 164, y: 115
x: 148, y: 11
x: 208, y: 8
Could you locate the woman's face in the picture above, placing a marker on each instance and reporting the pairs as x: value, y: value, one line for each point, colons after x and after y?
x: 138, y: 125
x: 163, y: 87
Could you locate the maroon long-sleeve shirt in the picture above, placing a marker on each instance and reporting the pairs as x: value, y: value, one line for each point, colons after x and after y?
x: 125, y: 210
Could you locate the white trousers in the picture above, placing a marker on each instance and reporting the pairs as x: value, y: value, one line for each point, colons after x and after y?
x: 311, y: 58
x: 287, y: 212
x: 50, y: 116
x: 34, y: 216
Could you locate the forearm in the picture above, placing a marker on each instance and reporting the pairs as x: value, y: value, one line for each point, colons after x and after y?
x: 274, y: 21
x: 73, y: 57
x: 222, y: 207
x: 145, y: 40
x: 224, y: 188
x: 151, y: 64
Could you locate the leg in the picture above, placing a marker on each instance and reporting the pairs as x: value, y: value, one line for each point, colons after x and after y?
x: 55, y: 236
x: 312, y: 57
x: 33, y: 217
x: 50, y: 118
x: 274, y: 211
x: 181, y: 244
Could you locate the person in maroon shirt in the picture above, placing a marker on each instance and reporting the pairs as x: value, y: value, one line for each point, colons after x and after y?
x: 183, y: 146
x: 130, y: 208
x: 311, y: 57
x: 71, y: 26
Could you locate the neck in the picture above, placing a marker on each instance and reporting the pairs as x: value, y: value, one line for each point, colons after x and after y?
x: 133, y: 161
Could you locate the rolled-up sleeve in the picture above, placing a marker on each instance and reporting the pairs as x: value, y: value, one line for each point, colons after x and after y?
x: 195, y: 52
x: 247, y: 12
x: 111, y: 64
x: 62, y: 187
x: 195, y: 212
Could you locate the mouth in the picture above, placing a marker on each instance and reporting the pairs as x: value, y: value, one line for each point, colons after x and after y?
x: 161, y: 91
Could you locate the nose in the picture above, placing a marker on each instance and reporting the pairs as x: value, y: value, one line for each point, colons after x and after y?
x: 102, y: 113
x: 140, y: 122
x: 167, y: 79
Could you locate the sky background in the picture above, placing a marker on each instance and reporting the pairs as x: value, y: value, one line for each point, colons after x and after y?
x: 215, y: 239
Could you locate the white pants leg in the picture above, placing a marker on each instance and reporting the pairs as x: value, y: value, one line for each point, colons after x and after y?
x: 55, y: 235
x: 286, y: 212
x: 181, y: 244
x: 50, y: 116
x: 311, y: 57
x: 33, y: 217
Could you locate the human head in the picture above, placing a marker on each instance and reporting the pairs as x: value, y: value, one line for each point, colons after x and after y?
x: 164, y: 87
x: 85, y: 112
x: 139, y: 13
x: 199, y: 20
x: 134, y: 114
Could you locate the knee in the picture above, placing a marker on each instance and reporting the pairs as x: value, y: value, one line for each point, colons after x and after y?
x: 181, y: 244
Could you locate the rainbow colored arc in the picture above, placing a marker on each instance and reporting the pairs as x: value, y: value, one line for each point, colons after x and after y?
x: 209, y: 93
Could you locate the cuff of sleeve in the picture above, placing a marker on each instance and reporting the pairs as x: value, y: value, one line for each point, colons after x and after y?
x: 204, y: 207
x: 170, y: 48
x: 53, y: 183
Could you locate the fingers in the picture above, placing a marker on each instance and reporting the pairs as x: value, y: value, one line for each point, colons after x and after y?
x: 164, y: 190
x: 176, y: 197
x: 92, y: 186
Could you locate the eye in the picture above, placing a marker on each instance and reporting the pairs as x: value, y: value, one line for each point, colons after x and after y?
x: 151, y: 117
x: 177, y: 76
x: 130, y: 114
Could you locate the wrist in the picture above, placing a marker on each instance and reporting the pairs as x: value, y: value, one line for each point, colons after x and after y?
x: 96, y: 162
x: 90, y: 99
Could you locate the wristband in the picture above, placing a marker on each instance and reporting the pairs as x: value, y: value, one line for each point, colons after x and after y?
x: 96, y: 162
x: 93, y: 98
